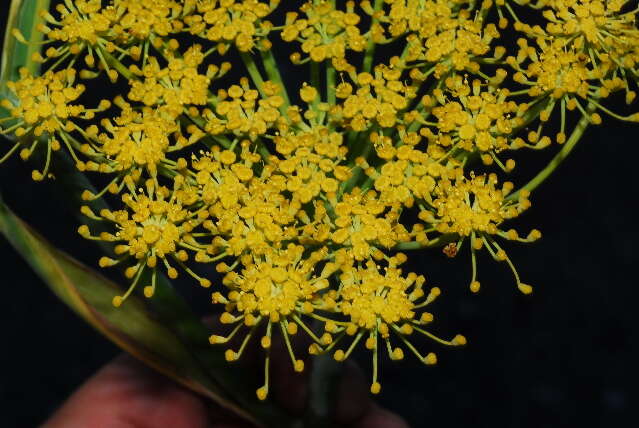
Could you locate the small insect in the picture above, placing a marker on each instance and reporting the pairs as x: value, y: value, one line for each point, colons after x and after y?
x: 450, y: 250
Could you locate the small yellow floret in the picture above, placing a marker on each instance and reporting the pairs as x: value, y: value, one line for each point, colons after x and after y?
x: 474, y: 286
x: 265, y: 342
x: 459, y: 340
x: 525, y: 288
x: 262, y: 393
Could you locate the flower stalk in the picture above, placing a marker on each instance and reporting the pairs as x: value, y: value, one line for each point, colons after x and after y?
x: 290, y: 206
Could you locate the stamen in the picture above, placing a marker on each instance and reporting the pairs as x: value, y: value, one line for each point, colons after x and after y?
x: 118, y: 300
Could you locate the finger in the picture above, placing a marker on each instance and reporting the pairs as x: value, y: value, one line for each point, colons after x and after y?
x: 353, y: 402
x: 127, y: 394
x: 290, y: 389
x: 353, y: 397
x: 380, y: 418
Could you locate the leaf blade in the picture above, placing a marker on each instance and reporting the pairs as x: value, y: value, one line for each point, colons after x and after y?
x: 130, y: 326
x: 24, y: 16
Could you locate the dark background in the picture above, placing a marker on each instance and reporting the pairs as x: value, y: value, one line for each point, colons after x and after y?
x: 564, y: 357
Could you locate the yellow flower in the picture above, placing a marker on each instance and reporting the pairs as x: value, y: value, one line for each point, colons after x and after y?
x: 312, y: 163
x: 377, y: 99
x: 475, y: 118
x: 249, y: 214
x: 279, y: 289
x: 565, y: 74
x: 326, y: 33
x: 240, y: 110
x: 135, y: 21
x: 43, y: 111
x: 83, y: 26
x: 381, y: 302
x: 445, y: 37
x: 588, y: 49
x: 476, y: 208
x: 406, y: 174
x: 607, y: 26
x: 226, y: 22
x: 178, y: 86
x: 303, y: 208
x: 134, y: 144
x: 155, y: 226
x: 363, y: 223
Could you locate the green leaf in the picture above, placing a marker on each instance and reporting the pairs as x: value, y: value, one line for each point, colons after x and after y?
x: 134, y: 327
x: 23, y: 15
x: 170, y: 308
x: 163, y: 331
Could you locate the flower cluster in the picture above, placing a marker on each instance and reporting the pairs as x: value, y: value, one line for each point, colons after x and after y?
x: 44, y: 110
x: 586, y: 51
x: 325, y: 33
x: 226, y: 22
x: 303, y: 194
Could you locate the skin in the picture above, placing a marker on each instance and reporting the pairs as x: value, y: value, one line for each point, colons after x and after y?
x: 126, y: 394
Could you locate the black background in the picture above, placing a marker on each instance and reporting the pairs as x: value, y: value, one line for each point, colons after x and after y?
x: 563, y: 357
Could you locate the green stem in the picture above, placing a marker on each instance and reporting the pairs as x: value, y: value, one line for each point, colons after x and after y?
x: 115, y: 63
x: 330, y: 84
x: 254, y: 72
x: 413, y: 127
x: 359, y: 146
x: 437, y: 242
x: 316, y: 83
x: 315, y: 75
x: 576, y: 135
x: 273, y: 73
x: 370, y: 48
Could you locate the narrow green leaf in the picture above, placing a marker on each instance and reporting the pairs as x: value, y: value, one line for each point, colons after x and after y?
x: 132, y: 326
x: 163, y: 331
x: 173, y: 311
x: 23, y: 15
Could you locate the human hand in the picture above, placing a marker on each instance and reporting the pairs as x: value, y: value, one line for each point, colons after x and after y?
x: 126, y: 394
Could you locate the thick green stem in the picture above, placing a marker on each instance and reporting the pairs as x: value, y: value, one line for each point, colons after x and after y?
x: 370, y: 48
x: 316, y: 83
x: 330, y: 84
x: 273, y: 73
x: 576, y: 135
x: 421, y: 108
x: 254, y: 72
x: 116, y: 64
x: 315, y: 75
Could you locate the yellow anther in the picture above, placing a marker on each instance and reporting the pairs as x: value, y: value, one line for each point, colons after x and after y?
x: 265, y: 342
x: 525, y: 288
x: 459, y: 340
x: 475, y: 286
x: 262, y: 393
x: 117, y: 301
